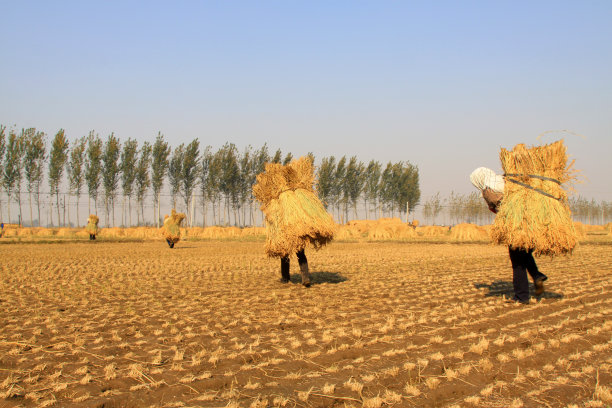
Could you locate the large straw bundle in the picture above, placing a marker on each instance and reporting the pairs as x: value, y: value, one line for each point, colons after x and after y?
x: 294, y: 215
x: 92, y: 224
x: 534, y: 213
x: 171, y: 230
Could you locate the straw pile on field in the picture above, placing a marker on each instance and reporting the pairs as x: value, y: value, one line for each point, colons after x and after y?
x: 171, y: 230
x: 534, y: 213
x: 468, y: 232
x: 432, y: 231
x: 92, y: 225
x: 112, y: 232
x: 294, y: 215
x: 609, y: 227
x: 581, y: 229
x: 45, y: 232
x: 391, y: 228
x: 65, y: 232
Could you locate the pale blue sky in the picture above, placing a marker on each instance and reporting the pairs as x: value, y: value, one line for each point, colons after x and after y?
x: 443, y: 85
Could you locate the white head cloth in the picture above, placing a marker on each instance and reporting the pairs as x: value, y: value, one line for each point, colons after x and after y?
x: 483, y: 178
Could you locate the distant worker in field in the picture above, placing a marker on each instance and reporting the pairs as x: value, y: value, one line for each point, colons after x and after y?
x: 491, y: 186
x: 92, y: 226
x: 295, y: 217
x: 171, y: 229
x: 1, y: 230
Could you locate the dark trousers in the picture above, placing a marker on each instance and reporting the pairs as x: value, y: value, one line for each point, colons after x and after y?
x: 302, y: 261
x: 523, y: 262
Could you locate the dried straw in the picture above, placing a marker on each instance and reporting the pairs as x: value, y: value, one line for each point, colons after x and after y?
x: 468, y: 232
x: 535, y: 213
x: 295, y: 217
x: 171, y: 230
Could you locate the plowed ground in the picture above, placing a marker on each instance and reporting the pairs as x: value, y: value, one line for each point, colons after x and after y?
x: 385, y: 324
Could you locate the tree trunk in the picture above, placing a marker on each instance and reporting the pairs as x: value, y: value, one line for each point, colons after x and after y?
x: 64, y: 211
x: 31, y: 212
x: 158, y: 208
x: 78, y: 223
x: 8, y: 204
x: 38, y: 203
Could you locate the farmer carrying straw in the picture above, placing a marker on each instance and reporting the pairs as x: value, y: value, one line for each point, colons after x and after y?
x: 533, y: 215
x: 92, y: 226
x: 295, y: 217
x: 171, y: 230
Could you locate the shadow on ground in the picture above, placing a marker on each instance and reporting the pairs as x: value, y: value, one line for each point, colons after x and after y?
x: 502, y: 288
x: 319, y: 277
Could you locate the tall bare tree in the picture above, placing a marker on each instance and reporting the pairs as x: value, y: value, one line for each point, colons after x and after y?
x: 93, y: 169
x: 205, y: 187
x: 372, y: 185
x: 110, y: 174
x: 159, y: 169
x: 189, y: 175
x: 57, y: 162
x: 143, y: 180
x: 11, y: 171
x: 129, y: 157
x: 175, y: 172
x: 33, y: 163
x: 325, y: 177
x: 76, y: 176
x: 353, y: 185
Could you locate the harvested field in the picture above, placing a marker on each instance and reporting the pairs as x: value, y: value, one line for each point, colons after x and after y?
x: 92, y: 324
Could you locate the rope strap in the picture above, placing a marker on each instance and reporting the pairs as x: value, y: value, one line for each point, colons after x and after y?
x: 534, y: 176
x: 533, y: 188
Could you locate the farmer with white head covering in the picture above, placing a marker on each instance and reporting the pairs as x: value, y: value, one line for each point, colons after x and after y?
x: 491, y: 186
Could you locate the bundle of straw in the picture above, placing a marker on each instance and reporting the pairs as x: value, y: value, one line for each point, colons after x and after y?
x: 294, y: 215
x: 92, y: 224
x: 171, y: 230
x: 534, y: 213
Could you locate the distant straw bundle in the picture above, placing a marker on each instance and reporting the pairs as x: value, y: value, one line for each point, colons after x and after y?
x: 92, y: 224
x: 534, y: 213
x: 171, y: 230
x: 432, y: 231
x: 468, y: 232
x: 294, y: 215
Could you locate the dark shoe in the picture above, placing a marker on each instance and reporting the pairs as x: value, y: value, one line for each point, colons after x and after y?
x: 306, y: 284
x: 284, y: 280
x: 515, y: 301
x: 539, y: 285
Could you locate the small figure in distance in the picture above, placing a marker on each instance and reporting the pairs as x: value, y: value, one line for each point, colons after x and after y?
x: 171, y: 229
x: 92, y: 226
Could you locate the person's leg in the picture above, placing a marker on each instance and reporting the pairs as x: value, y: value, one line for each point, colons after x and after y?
x: 169, y: 243
x: 285, y: 275
x: 519, y: 275
x: 301, y: 256
x: 537, y: 276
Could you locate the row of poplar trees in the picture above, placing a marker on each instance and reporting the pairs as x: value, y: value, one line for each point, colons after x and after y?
x: 221, y: 179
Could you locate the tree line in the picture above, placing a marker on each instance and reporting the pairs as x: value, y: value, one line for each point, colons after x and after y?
x: 113, y: 173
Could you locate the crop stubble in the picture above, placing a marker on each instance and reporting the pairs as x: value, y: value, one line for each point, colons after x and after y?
x: 208, y: 324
